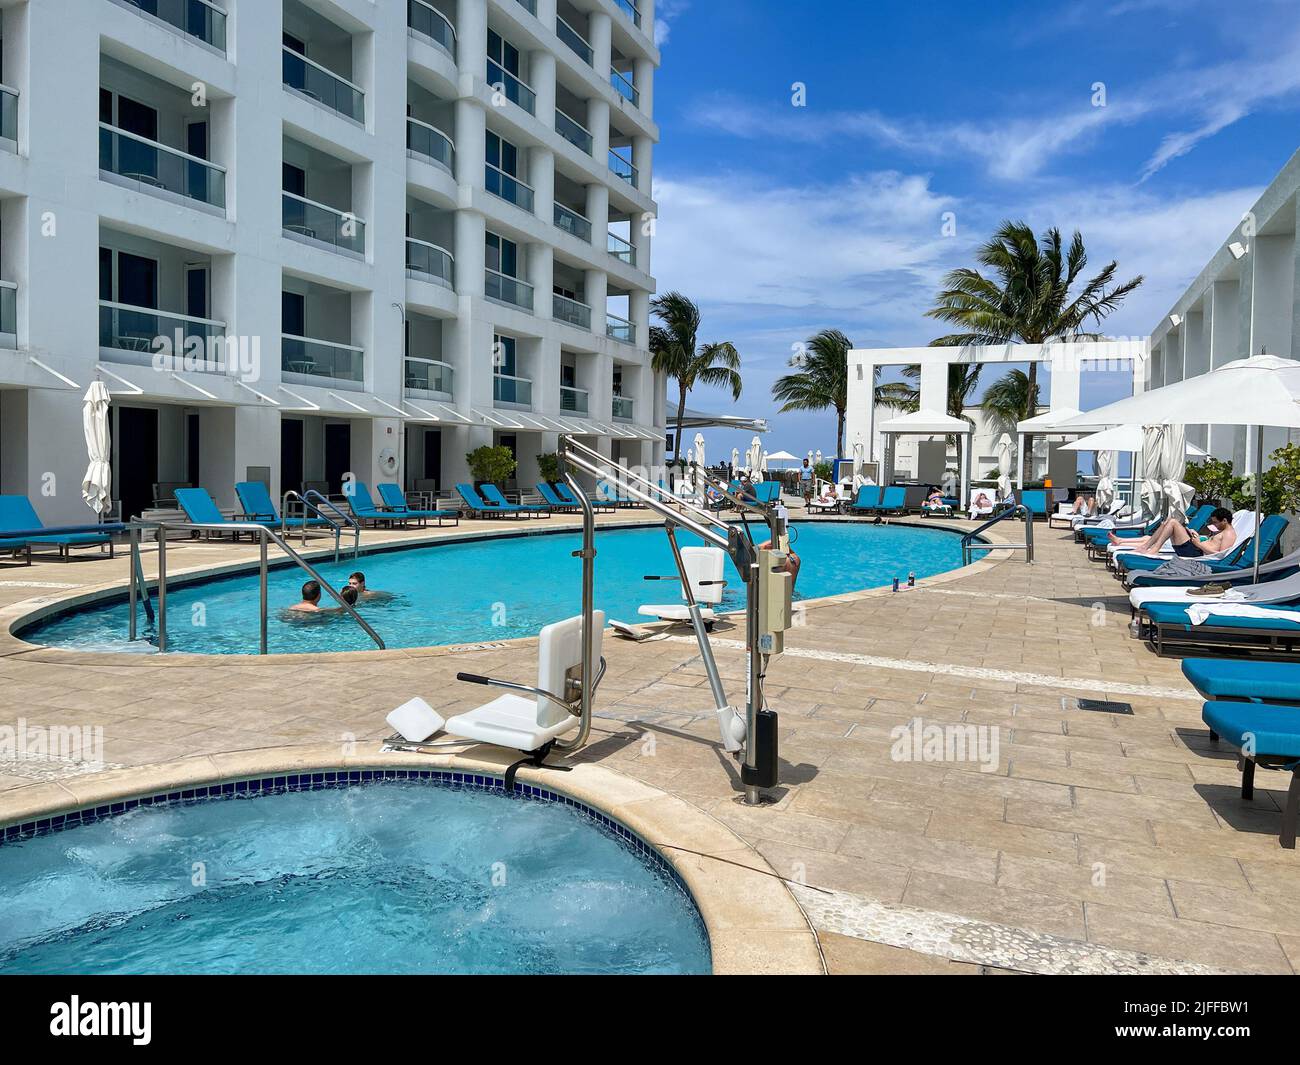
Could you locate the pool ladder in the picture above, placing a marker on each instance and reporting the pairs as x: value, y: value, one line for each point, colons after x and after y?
x: 969, y: 547
x: 316, y: 504
x: 139, y: 587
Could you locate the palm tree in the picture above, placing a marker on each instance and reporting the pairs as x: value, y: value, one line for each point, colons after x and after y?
x: 1027, y: 298
x: 1007, y: 401
x: 963, y: 380
x: 675, y: 351
x: 822, y: 382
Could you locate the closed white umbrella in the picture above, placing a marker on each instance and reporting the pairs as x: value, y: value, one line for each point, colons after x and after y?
x: 735, y: 459
x: 762, y: 462
x: 96, y: 487
x: 699, y: 448
x: 755, y: 455
x: 1105, y: 493
x: 1006, y: 448
x: 1151, y: 491
x: 818, y: 460
x: 1175, y: 493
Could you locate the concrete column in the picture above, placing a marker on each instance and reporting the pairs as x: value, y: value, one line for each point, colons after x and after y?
x: 600, y: 36
x: 597, y: 212
x: 541, y: 273
x: 471, y: 42
x: 596, y: 288
x: 598, y: 126
x: 470, y: 230
x: 643, y: 160
x: 644, y: 74
x: 542, y: 73
x: 541, y: 175
x: 471, y: 131
x: 639, y: 308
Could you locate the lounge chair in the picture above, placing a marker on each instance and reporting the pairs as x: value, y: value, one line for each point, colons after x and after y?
x: 394, y: 501
x: 492, y: 494
x: 200, y: 508
x: 1162, y: 588
x: 825, y: 504
x: 867, y: 501
x: 255, y: 499
x: 1099, y: 547
x: 531, y: 721
x: 1267, y: 736
x: 705, y: 568
x: 565, y: 493
x: 609, y: 493
x: 481, y: 508
x: 1036, y: 501
x: 553, y: 500
x: 977, y: 512
x: 1221, y: 628
x: 17, y: 515
x: 894, y: 500
x: 363, y: 506
x: 1244, y: 523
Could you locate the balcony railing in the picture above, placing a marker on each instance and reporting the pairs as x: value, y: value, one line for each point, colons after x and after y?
x: 430, y: 261
x: 516, y: 390
x: 622, y: 167
x: 511, y: 87
x: 324, y: 86
x: 621, y: 408
x: 158, y: 166
x: 620, y: 329
x: 307, y: 218
x: 429, y: 142
x: 630, y: 10
x: 572, y: 222
x: 147, y: 331
x: 197, y: 18
x: 574, y: 40
x: 621, y: 249
x: 428, y: 21
x: 322, y: 358
x: 8, y: 308
x: 8, y: 113
x: 506, y: 289
x: 429, y: 375
x: 572, y: 131
x: 530, y: 5
x: 625, y: 87
x: 571, y: 311
x: 508, y: 187
x: 574, y: 400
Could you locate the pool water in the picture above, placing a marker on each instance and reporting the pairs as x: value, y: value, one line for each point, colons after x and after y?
x: 490, y: 590
x: 392, y: 877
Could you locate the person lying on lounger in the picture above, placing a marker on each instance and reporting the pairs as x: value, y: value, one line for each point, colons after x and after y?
x: 1188, y: 543
x: 981, y: 504
x: 1084, y: 507
x: 934, y: 501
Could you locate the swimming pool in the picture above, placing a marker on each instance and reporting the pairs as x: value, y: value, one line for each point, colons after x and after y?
x: 382, y: 877
x: 490, y: 590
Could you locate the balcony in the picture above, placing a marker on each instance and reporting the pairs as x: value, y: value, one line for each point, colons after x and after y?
x: 304, y: 359
x: 140, y: 333
x: 572, y: 131
x: 630, y: 10
x: 8, y: 113
x: 505, y: 289
x: 625, y: 88
x: 431, y: 144
x: 512, y: 391
x: 511, y: 87
x: 429, y: 262
x: 571, y: 311
x: 530, y: 6
x: 508, y: 187
x: 432, y: 24
x: 574, y: 40
x: 620, y: 249
x: 620, y: 329
x: 320, y: 222
x: 621, y: 409
x: 574, y: 400
x: 622, y: 167
x: 195, y: 18
x: 572, y: 222
x: 323, y: 86
x: 8, y: 314
x: 429, y: 377
x: 158, y: 166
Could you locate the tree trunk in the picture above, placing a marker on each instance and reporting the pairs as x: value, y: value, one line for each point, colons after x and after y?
x: 1027, y: 459
x: 681, y: 413
x: 839, y: 432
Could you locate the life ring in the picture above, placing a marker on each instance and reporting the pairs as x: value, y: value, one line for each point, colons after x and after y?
x: 388, y: 461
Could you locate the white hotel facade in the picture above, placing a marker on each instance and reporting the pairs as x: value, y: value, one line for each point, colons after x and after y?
x: 402, y: 229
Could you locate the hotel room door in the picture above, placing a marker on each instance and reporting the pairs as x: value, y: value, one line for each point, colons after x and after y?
x: 136, y: 448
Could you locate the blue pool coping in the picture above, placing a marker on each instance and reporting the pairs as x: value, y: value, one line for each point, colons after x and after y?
x: 328, y: 779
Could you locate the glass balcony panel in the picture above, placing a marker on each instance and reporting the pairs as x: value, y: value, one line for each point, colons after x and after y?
x: 620, y: 329
x: 515, y: 90
x: 321, y: 358
x: 320, y: 222
x: 507, y: 389
x: 622, y: 167
x: 146, y: 331
x: 574, y: 40
x: 621, y: 408
x: 429, y: 22
x: 162, y: 167
x: 621, y: 249
x: 324, y: 86
x: 425, y: 258
x: 429, y: 375
x: 431, y: 143
x: 572, y: 222
x: 574, y: 400
x: 625, y: 87
x: 508, y: 187
x: 506, y: 289
x: 199, y: 19
x: 572, y: 132
x: 571, y: 311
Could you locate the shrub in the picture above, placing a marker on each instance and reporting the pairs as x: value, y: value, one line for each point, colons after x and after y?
x: 548, y: 465
x: 491, y: 465
x: 1212, y: 480
x: 823, y: 470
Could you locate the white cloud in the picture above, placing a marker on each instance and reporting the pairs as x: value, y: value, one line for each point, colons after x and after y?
x: 666, y: 12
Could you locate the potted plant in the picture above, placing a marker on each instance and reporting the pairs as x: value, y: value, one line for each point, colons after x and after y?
x: 548, y: 465
x: 491, y: 465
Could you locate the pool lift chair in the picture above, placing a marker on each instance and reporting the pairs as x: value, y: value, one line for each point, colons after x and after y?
x: 568, y: 650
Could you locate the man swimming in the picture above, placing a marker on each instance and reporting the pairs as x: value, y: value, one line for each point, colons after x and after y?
x: 357, y: 582
x: 310, y: 599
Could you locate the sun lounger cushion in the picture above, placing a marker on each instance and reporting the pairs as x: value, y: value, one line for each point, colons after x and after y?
x: 1226, y: 678
x: 1269, y: 730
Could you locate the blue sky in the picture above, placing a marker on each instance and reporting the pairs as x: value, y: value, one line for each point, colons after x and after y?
x: 782, y: 220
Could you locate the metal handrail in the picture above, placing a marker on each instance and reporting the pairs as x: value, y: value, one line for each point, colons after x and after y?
x: 322, y: 500
x: 291, y: 496
x: 967, y: 542
x: 264, y: 536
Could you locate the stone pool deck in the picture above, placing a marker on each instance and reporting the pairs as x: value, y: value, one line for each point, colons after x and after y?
x: 1098, y: 842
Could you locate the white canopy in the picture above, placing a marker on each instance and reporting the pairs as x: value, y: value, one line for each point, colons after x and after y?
x: 783, y: 456
x: 1051, y: 419
x: 1121, y: 438
x: 926, y: 423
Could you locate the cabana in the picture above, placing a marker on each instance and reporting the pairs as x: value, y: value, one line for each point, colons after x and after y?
x: 928, y: 423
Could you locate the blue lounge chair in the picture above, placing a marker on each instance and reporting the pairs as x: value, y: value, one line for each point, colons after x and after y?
x: 1170, y: 631
x: 19, y: 516
x: 608, y: 493
x: 198, y: 506
x: 481, y: 508
x: 1097, y: 541
x: 363, y: 506
x: 565, y: 494
x: 1270, y: 534
x: 867, y: 501
x: 1267, y: 736
x: 1036, y: 501
x: 1220, y: 679
x: 492, y: 494
x: 258, y: 506
x: 1277, y: 570
x: 894, y: 500
x: 553, y: 499
x: 394, y: 501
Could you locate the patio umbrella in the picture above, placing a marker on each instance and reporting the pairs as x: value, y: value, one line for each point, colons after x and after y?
x: 762, y: 462
x: 819, y: 457
x: 735, y: 459
x: 781, y: 456
x: 1262, y: 391
x: 755, y: 455
x: 1005, y: 449
x: 1127, y: 438
x: 1175, y: 493
x: 859, y: 455
x: 699, y: 448
x: 1151, y: 491
x: 1105, y: 494
x: 96, y: 486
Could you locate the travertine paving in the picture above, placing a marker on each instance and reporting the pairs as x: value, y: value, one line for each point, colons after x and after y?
x: 1125, y: 832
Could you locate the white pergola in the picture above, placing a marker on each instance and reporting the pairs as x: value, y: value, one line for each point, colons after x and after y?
x: 1044, y: 424
x: 928, y: 423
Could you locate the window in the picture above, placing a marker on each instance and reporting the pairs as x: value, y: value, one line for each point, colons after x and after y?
x: 502, y: 255
x: 136, y: 280
x: 503, y: 350
x: 502, y: 154
x: 293, y: 314
x: 295, y: 44
x: 294, y: 179
x: 503, y: 54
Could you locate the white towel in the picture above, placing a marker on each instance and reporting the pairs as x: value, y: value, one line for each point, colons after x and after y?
x: 1139, y: 597
x: 1199, y: 613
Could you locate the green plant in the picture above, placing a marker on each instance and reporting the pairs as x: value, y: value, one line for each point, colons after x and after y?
x: 822, y: 380
x: 1212, y: 481
x: 548, y: 465
x: 822, y: 470
x: 491, y: 465
x: 1282, y: 481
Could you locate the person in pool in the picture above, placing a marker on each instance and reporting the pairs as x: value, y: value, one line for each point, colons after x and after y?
x: 357, y: 582
x: 310, y: 599
x: 1188, y: 543
x: 349, y: 595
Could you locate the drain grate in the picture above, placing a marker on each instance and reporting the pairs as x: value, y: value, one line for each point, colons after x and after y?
x: 1100, y: 706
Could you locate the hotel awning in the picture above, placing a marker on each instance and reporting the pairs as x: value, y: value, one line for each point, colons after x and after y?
x: 694, y: 419
x: 926, y: 423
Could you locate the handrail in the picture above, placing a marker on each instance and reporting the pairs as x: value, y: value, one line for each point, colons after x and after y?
x: 162, y: 147
x: 967, y: 541
x: 348, y: 519
x: 264, y: 535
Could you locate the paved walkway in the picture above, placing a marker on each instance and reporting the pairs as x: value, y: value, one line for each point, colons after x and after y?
x: 1122, y: 833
